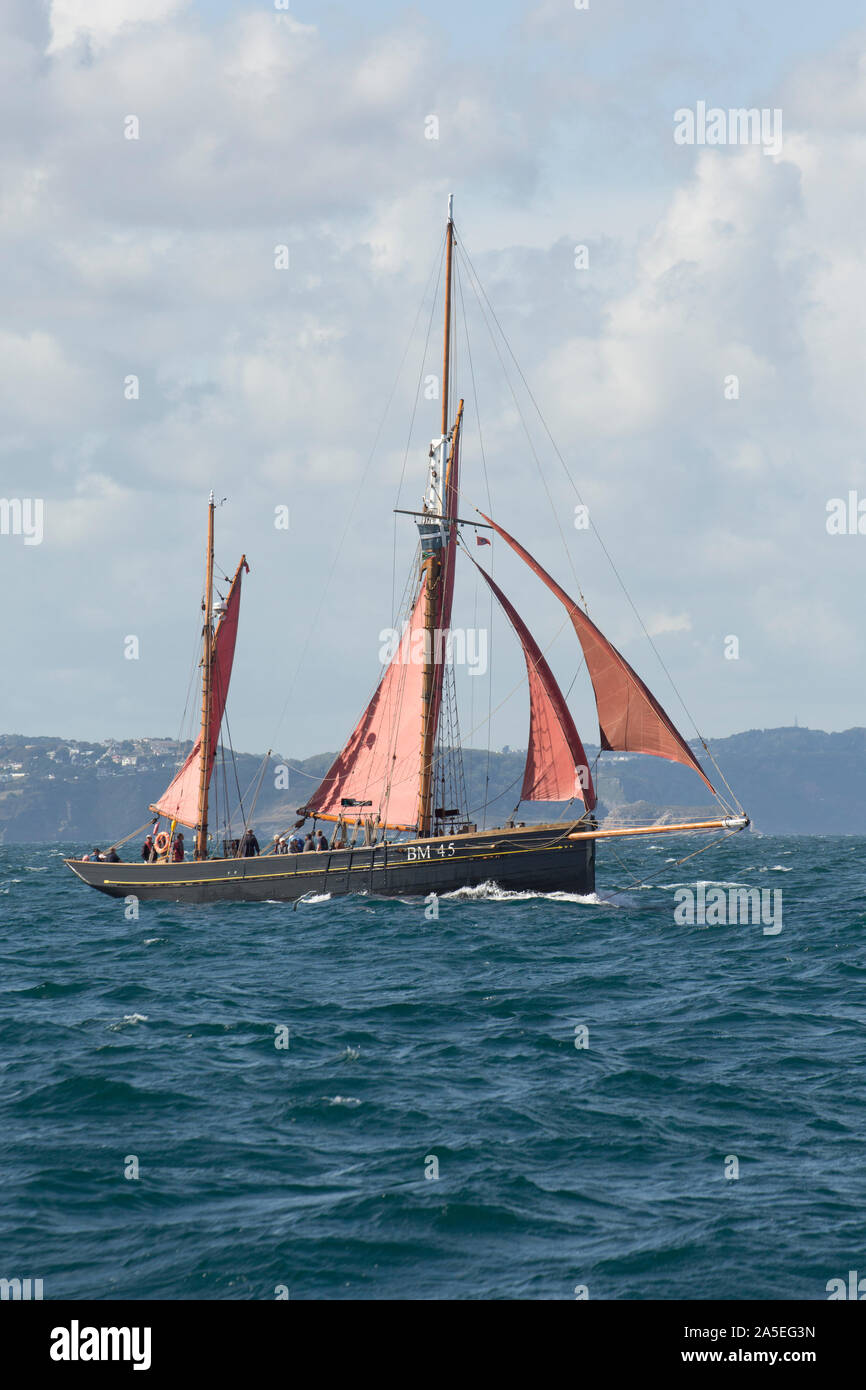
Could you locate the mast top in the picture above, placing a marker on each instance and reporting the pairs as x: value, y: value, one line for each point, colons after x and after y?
x: 450, y: 207
x: 210, y: 499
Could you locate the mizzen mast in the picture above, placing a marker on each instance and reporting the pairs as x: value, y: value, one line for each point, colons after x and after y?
x: 206, y: 668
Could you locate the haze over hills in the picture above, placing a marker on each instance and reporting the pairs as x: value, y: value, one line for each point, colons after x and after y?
x: 790, y: 781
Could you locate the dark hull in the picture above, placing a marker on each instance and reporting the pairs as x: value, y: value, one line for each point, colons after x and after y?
x: 538, y: 858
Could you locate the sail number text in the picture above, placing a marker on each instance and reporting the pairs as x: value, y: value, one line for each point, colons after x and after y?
x: 423, y: 851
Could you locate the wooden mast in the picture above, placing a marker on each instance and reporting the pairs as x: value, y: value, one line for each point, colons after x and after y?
x: 206, y: 664
x: 446, y: 350
x: 431, y: 573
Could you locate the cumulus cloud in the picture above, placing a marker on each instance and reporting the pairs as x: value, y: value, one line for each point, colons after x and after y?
x: 99, y: 21
x: 668, y: 622
x: 702, y: 375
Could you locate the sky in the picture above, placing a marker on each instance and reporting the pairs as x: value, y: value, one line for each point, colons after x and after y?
x: 153, y: 258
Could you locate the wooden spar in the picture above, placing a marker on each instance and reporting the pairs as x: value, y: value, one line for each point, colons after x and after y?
x: 446, y: 351
x: 732, y: 823
x: 431, y: 574
x: 206, y: 662
x: 337, y: 818
x: 432, y: 571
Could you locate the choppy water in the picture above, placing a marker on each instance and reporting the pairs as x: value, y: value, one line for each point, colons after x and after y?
x: 412, y: 1039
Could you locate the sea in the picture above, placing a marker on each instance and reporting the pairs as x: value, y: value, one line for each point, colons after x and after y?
x: 493, y: 1096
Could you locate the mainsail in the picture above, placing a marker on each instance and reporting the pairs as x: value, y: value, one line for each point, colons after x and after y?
x: 556, y: 764
x: 180, y: 800
x: 377, y: 770
x: 630, y: 719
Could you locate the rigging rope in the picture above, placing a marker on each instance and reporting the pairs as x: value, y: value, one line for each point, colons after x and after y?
x: 477, y: 282
x: 667, y: 868
x: 323, y: 592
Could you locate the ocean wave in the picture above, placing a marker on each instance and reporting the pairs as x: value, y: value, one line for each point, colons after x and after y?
x: 264, y: 1175
x: 489, y: 891
x: 128, y: 1021
x: 704, y: 883
x: 49, y: 989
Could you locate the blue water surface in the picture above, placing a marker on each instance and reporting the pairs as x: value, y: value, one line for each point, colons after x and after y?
x: 418, y: 1045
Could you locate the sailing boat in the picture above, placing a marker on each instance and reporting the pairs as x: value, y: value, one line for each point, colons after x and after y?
x: 379, y: 794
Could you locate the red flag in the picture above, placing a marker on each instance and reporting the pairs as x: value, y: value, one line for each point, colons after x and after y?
x: 481, y: 540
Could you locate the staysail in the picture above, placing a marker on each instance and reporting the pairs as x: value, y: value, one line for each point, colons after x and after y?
x: 180, y: 800
x: 630, y: 719
x: 379, y: 763
x: 556, y: 764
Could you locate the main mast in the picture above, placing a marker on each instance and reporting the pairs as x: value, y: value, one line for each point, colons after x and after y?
x: 433, y: 539
x: 206, y: 668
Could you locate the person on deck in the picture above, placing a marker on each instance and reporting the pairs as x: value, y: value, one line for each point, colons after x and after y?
x: 147, y: 849
x: 321, y: 842
x: 296, y: 844
x: 112, y: 857
x: 177, y: 849
x: 249, y: 845
x: 308, y: 844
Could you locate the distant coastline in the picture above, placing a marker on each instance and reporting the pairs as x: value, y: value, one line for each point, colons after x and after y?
x: 792, y: 781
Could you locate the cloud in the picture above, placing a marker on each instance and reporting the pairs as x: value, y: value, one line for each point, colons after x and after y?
x: 661, y: 623
x: 99, y: 21
x: 156, y: 257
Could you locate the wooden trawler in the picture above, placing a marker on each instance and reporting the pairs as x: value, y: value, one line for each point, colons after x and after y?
x: 389, y: 836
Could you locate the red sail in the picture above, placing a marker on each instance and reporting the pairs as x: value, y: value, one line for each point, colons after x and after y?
x: 630, y: 718
x: 380, y: 764
x: 179, y: 801
x: 556, y: 765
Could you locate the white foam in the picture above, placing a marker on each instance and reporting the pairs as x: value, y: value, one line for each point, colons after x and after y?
x: 489, y: 891
x: 719, y: 883
x: 128, y: 1021
x: 702, y: 883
